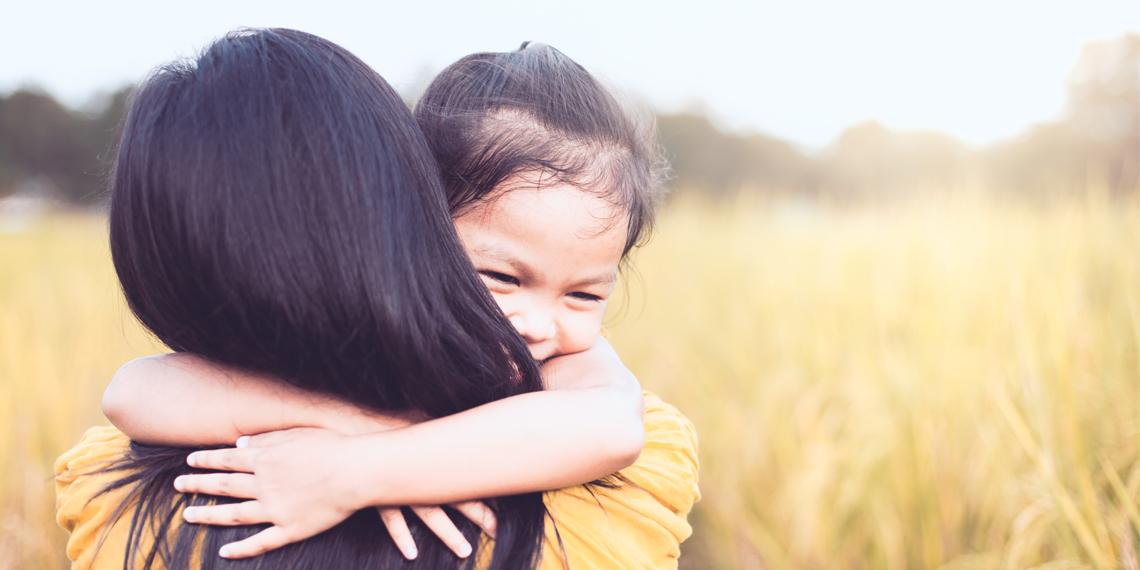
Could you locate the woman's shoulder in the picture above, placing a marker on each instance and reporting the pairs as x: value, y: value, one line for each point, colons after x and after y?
x: 98, y: 445
x: 82, y: 507
x: 641, y: 521
x: 669, y: 464
x: 666, y: 426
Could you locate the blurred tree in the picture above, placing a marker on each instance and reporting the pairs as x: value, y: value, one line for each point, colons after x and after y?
x: 55, y: 149
x: 706, y: 159
x: 1047, y: 161
x: 871, y: 160
x: 47, y: 147
x: 701, y: 156
x: 1104, y: 110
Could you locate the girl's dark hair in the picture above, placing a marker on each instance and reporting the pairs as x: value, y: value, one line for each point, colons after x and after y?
x: 275, y: 208
x: 491, y: 116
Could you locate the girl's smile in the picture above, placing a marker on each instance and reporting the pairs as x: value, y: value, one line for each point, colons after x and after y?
x: 550, y: 257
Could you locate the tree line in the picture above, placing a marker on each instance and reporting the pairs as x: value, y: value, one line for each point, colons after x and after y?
x: 1093, y: 146
x: 64, y: 153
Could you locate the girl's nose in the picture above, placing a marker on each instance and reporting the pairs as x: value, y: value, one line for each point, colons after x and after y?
x: 533, y: 328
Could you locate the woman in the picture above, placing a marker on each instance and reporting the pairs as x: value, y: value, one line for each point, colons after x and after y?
x: 274, y: 209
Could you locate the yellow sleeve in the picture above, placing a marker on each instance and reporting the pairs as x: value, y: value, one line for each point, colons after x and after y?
x: 81, y: 510
x: 668, y: 467
x: 642, y: 522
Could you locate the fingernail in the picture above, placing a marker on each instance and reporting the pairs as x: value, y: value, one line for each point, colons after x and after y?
x: 189, y: 513
x: 225, y: 551
x: 242, y: 441
x: 413, y: 553
x: 180, y: 483
x: 464, y: 550
x: 192, y: 460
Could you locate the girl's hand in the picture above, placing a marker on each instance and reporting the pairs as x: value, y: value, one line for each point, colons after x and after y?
x: 440, y: 524
x: 292, y: 478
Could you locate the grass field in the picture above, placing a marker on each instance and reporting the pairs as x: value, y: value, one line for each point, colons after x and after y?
x: 951, y: 385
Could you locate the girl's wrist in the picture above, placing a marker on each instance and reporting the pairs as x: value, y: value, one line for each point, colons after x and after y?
x: 360, y: 457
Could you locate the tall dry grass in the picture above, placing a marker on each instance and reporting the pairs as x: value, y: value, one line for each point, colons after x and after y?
x: 935, y: 385
x: 63, y: 330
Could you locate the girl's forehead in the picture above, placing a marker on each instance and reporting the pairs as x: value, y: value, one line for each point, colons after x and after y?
x: 553, y: 222
x: 523, y: 199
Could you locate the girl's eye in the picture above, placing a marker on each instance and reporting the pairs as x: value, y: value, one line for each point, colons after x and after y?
x: 500, y: 277
x: 585, y: 297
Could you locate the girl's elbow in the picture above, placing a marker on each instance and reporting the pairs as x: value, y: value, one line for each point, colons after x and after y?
x: 626, y: 445
x: 112, y: 405
x: 120, y: 410
x: 120, y: 398
x: 626, y: 434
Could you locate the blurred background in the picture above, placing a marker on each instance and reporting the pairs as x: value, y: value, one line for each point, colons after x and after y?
x: 896, y: 284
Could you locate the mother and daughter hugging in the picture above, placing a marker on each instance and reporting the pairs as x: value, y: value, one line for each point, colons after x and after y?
x: 395, y: 316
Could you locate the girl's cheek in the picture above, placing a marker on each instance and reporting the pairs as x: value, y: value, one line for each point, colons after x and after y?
x: 580, y: 332
x: 503, y: 301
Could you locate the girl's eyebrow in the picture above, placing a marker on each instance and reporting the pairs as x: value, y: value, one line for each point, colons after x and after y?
x: 608, y: 278
x: 524, y: 270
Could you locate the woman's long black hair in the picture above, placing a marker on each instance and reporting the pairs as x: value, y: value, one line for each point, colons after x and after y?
x: 275, y: 208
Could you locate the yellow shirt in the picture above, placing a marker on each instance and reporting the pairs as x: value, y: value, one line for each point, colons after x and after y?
x: 640, y: 524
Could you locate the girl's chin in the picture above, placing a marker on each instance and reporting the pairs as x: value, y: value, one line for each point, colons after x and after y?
x: 541, y: 357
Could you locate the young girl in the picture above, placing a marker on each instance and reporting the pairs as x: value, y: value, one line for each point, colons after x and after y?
x: 550, y: 184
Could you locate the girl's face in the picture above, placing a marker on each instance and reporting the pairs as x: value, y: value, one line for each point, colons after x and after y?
x: 550, y: 257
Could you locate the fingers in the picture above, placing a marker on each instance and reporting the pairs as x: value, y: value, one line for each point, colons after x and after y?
x: 441, y: 525
x: 397, y: 526
x: 237, y: 485
x: 249, y: 512
x: 271, y: 538
x: 480, y: 514
x: 223, y: 459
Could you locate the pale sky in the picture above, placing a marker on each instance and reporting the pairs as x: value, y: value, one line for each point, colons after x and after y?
x: 981, y: 70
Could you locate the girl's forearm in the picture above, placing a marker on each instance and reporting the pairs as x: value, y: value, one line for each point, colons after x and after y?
x: 184, y: 400
x: 530, y: 442
x: 586, y: 426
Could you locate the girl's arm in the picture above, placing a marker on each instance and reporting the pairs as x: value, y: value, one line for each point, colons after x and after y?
x: 184, y: 400
x: 585, y: 426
